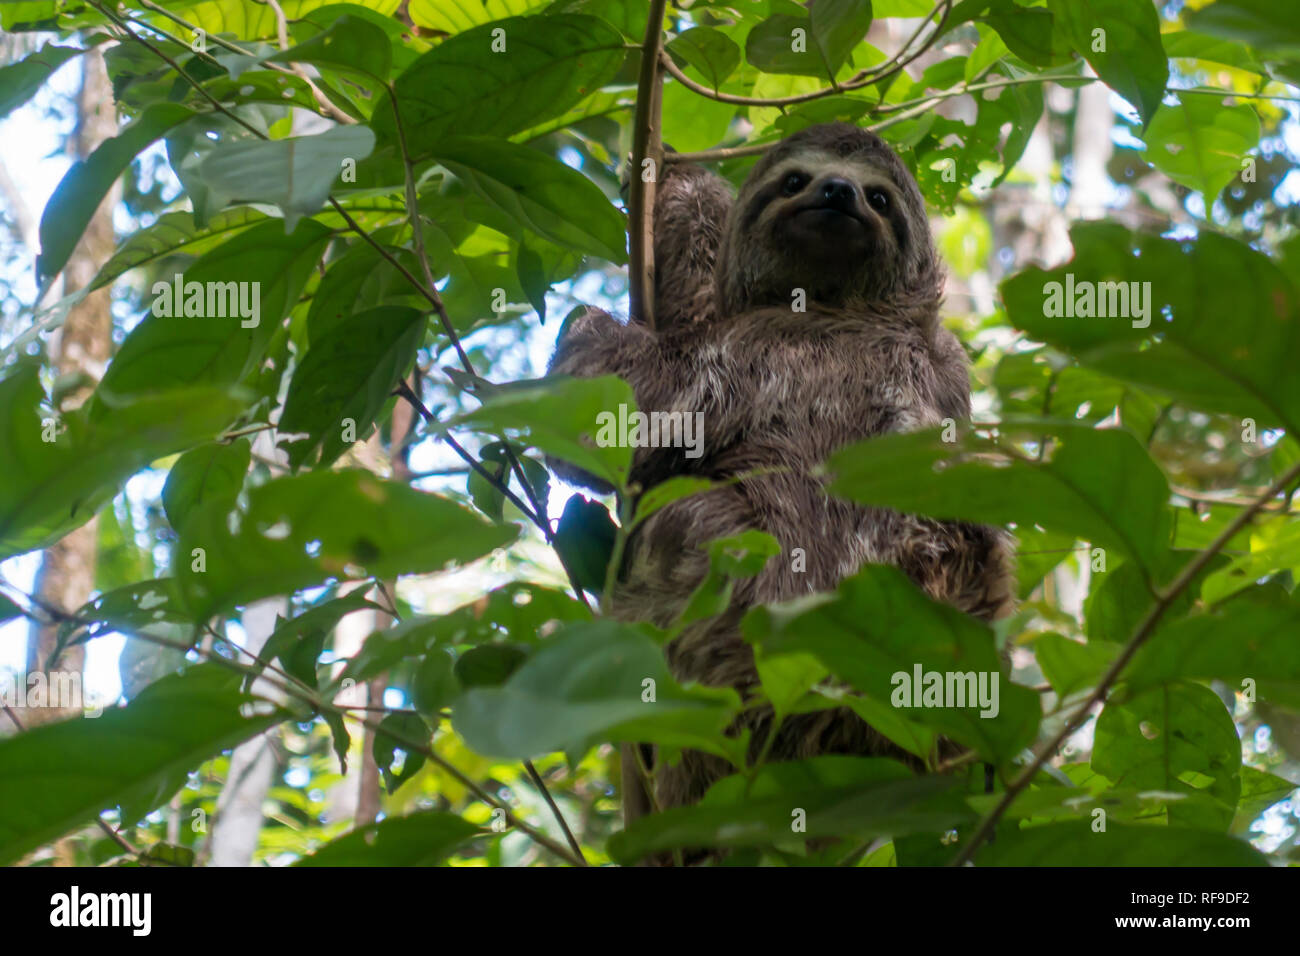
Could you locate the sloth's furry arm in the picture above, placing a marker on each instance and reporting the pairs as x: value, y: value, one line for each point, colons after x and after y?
x: 691, y: 207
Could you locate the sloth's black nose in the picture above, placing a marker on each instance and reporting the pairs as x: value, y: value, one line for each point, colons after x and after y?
x: 839, y: 194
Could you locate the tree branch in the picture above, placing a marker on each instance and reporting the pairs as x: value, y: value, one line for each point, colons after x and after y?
x: 1144, y: 631
x: 867, y: 77
x: 646, y: 144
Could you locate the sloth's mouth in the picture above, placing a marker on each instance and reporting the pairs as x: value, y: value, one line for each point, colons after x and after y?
x: 830, y: 213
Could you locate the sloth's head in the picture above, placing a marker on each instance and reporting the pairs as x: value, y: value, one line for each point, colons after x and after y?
x: 833, y: 211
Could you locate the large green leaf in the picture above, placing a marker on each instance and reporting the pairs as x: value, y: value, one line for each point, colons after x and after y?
x: 421, y: 839
x: 1223, y: 319
x: 1269, y: 25
x: 53, y: 486
x: 469, y: 85
x: 211, y: 472
x: 88, y: 181
x: 538, y: 192
x: 456, y: 16
x: 169, y: 350
x: 710, y: 51
x: 1098, y: 485
x: 1121, y: 40
x: 562, y: 417
x: 838, y: 797
x: 306, y: 529
x: 348, y: 44
x: 590, y: 682
x: 295, y: 174
x: 879, y: 625
x: 1201, y: 141
x: 175, y: 233
x: 59, y: 775
x: 1252, y: 636
x: 1178, y: 739
x: 346, y: 377
x: 1076, y: 844
x: 19, y: 81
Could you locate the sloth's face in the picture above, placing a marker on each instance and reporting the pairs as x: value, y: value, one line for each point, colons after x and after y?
x: 820, y: 216
x: 834, y: 213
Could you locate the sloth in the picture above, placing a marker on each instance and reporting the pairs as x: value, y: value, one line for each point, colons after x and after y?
x: 830, y: 219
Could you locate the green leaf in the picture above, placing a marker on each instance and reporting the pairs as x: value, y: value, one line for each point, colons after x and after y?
x: 786, y: 678
x: 421, y: 839
x: 562, y: 417
x: 295, y: 174
x: 20, y: 81
x: 434, y: 685
x: 1076, y: 844
x: 8, y: 609
x: 781, y: 44
x: 303, y: 530
x: 263, y: 268
x: 1251, y: 637
x: 1121, y: 40
x: 538, y: 192
x: 1179, y: 739
x: 1263, y: 24
x: 298, y: 642
x: 174, y: 233
x: 584, y: 541
x: 406, y: 726
x: 1099, y: 485
x: 1071, y: 666
x: 211, y: 472
x: 1201, y: 141
x: 710, y: 51
x: 1200, y: 360
x: 837, y: 27
x: 587, y: 683
x: 489, y: 665
x: 877, y: 626
x: 88, y: 181
x: 469, y: 86
x: 54, y: 486
x: 135, y: 757
x: 1117, y: 606
x: 461, y: 15
x: 344, y: 380
x: 349, y: 44
x: 884, y: 800
x: 524, y: 611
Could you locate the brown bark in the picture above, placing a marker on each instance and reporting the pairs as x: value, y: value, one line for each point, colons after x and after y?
x: 369, y: 801
x: 80, y: 347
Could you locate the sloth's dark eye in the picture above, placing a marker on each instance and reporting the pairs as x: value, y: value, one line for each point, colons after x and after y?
x: 793, y: 183
x: 878, y: 199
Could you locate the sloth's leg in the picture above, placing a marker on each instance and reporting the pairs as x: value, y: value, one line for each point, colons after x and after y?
x: 691, y: 206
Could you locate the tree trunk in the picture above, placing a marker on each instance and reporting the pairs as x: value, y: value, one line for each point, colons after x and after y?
x: 81, y: 347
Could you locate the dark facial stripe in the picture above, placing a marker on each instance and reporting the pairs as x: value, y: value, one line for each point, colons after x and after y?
x: 758, y: 202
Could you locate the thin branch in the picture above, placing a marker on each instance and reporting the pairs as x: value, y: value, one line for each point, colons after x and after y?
x: 327, y: 106
x: 540, y: 784
x: 282, y: 31
x: 866, y: 77
x: 647, y: 144
x: 1144, y: 631
x: 301, y: 692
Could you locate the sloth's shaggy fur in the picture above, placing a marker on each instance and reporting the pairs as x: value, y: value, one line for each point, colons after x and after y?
x: 784, y: 388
